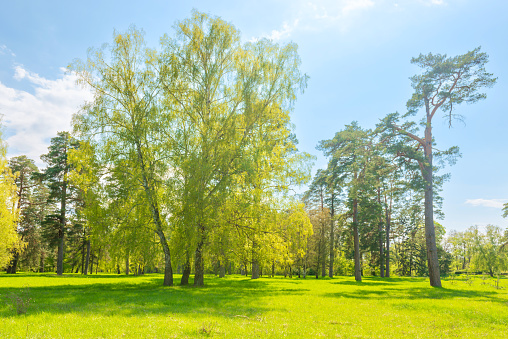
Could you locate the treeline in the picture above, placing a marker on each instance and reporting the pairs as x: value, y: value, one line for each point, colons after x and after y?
x: 185, y: 161
x: 376, y: 201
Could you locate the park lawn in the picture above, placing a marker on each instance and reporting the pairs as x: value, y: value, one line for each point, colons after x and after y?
x: 112, y: 306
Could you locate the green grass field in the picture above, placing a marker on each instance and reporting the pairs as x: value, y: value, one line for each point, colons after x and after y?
x: 110, y: 306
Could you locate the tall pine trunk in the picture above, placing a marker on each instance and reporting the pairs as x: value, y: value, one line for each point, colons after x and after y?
x: 87, y: 260
x: 380, y: 235
x: 356, y: 236
x: 430, y: 231
x: 332, y: 239
x: 61, y: 232
x: 387, y: 254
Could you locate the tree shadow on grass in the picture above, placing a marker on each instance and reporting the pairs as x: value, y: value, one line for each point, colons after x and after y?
x: 374, y: 281
x: 133, y: 297
x: 416, y: 292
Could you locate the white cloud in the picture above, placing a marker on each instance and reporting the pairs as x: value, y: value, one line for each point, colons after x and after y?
x: 5, y: 50
x: 495, y: 203
x: 285, y: 32
x: 319, y: 15
x: 433, y: 2
x: 33, y: 119
x: 353, y: 5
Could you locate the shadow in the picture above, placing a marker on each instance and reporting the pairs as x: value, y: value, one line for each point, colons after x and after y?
x: 415, y: 292
x: 145, y: 295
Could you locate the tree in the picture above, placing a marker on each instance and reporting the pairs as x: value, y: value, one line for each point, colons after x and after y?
x: 231, y: 105
x: 350, y: 154
x: 125, y: 123
x: 490, y: 254
x: 445, y: 83
x: 8, y: 208
x: 61, y: 191
x: 26, y: 172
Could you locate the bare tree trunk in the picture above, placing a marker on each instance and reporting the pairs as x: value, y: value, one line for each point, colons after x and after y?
x: 380, y: 235
x: 222, y: 270
x: 186, y: 272
x: 127, y: 264
x: 387, y: 255
x: 87, y: 260
x: 199, y: 270
x: 61, y: 232
x: 332, y: 239
x: 83, y: 254
x: 41, y: 268
x: 430, y: 231
x: 323, y: 263
x: 168, y: 269
x: 255, y: 262
x: 154, y: 208
x: 13, y: 267
x: 356, y: 238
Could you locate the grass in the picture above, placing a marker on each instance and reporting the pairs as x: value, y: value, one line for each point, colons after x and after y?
x: 111, y: 306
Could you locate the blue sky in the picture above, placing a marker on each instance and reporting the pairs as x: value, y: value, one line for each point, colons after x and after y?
x: 356, y: 52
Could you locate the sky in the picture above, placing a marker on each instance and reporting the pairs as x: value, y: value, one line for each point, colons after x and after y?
x: 356, y: 52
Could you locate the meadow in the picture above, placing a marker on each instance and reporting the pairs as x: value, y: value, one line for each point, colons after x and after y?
x: 113, y: 306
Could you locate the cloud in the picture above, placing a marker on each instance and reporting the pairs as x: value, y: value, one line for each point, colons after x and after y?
x: 433, y: 2
x: 285, y: 32
x: 31, y: 120
x: 318, y: 15
x: 495, y: 203
x: 5, y: 50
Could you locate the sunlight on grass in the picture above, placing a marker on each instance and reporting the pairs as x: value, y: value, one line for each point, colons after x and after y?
x: 110, y: 306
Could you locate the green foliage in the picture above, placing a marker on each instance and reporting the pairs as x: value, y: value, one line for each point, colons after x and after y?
x: 197, y: 135
x: 449, y: 81
x: 8, y: 208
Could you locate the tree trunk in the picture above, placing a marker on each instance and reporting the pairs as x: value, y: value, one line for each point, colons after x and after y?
x: 255, y: 269
x: 13, y: 267
x: 430, y: 231
x: 332, y: 239
x: 323, y: 262
x: 150, y: 193
x: 168, y: 269
x: 127, y: 264
x: 83, y: 254
x: 186, y: 272
x: 41, y: 264
x: 380, y: 235
x: 87, y: 260
x: 59, y: 262
x: 222, y: 270
x: 356, y: 238
x: 199, y: 270
x: 255, y: 262
x: 63, y: 202
x: 387, y: 255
